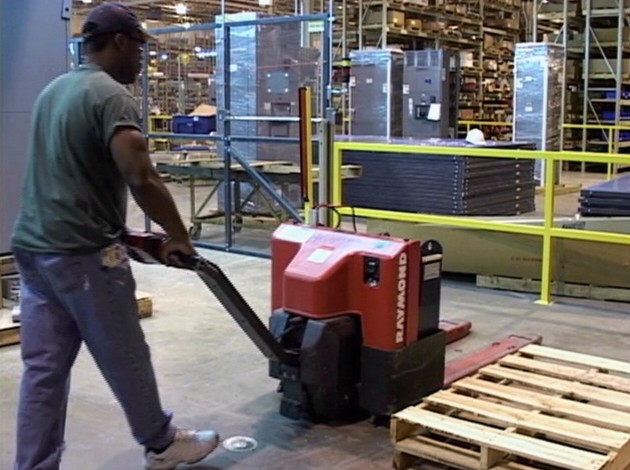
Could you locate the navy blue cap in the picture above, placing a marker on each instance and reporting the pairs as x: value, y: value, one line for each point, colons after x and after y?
x: 113, y: 18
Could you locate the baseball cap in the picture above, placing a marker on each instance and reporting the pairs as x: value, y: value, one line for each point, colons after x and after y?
x: 109, y: 18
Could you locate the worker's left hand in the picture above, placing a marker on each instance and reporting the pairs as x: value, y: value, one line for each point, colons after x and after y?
x: 174, y: 251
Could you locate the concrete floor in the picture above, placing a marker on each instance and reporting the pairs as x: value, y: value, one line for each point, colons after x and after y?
x: 210, y: 373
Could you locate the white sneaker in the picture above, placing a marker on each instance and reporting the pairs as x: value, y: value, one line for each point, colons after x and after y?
x: 188, y: 447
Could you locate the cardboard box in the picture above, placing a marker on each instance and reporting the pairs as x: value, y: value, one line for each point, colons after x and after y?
x: 466, y: 114
x: 413, y: 24
x: 601, y: 66
x: 466, y: 59
x: 610, y: 34
x: 434, y: 26
x: 394, y: 17
x: 512, y: 24
x: 597, y: 4
x: 490, y: 253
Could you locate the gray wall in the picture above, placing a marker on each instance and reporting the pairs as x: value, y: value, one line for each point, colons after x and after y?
x: 34, y: 38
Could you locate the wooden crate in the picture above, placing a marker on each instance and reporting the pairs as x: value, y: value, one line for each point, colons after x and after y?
x: 539, y: 408
x: 566, y: 289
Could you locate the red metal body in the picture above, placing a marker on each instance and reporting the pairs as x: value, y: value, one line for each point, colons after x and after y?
x: 319, y: 273
x: 455, y: 329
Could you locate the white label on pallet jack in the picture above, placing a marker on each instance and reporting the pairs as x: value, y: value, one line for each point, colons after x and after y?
x: 295, y: 233
x: 431, y: 271
x: 320, y: 255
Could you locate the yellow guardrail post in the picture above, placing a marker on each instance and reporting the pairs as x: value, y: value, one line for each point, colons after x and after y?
x: 306, y: 149
x: 610, y: 151
x: 547, y: 255
x: 336, y: 175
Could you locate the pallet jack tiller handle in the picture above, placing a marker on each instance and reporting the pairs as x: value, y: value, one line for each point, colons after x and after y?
x: 145, y: 247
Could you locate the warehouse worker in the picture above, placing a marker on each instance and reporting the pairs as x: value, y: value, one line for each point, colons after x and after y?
x: 86, y: 149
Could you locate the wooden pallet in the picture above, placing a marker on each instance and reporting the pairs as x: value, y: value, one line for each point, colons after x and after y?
x: 565, y: 289
x: 540, y: 408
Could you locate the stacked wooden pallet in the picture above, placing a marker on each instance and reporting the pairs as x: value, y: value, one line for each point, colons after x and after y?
x: 540, y: 408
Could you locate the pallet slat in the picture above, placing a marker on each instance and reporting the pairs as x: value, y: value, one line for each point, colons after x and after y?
x: 583, y: 412
x: 546, y: 452
x: 589, y: 436
x: 536, y: 408
x: 577, y: 358
x: 596, y: 395
x: 444, y: 453
x: 590, y: 376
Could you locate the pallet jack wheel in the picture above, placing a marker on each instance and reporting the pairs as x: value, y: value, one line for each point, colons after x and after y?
x: 195, y: 232
x: 237, y: 223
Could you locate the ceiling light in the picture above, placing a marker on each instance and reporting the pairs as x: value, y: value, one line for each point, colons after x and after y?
x: 86, y: 1
x: 181, y: 9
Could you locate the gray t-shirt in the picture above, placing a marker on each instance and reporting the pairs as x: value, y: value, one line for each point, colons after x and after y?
x: 74, y: 196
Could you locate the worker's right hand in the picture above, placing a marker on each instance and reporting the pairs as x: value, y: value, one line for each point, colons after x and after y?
x: 173, y: 248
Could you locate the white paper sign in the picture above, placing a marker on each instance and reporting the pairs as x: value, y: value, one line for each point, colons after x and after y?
x: 434, y: 112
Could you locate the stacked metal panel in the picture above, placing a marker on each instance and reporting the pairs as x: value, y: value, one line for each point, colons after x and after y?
x: 267, y: 68
x: 607, y: 199
x: 442, y: 184
x: 538, y: 78
x: 426, y: 93
x: 376, y: 92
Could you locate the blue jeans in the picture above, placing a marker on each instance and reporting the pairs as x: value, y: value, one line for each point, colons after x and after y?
x: 70, y: 299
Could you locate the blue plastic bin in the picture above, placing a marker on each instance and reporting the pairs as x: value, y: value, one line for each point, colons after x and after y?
x: 183, y: 124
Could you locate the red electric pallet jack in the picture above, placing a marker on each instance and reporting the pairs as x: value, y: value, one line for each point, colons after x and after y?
x: 355, y: 319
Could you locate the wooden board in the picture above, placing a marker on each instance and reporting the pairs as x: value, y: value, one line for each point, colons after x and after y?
x: 7, y: 265
x: 557, y: 288
x: 561, y: 189
x: 145, y: 304
x: 539, y: 408
x: 10, y: 331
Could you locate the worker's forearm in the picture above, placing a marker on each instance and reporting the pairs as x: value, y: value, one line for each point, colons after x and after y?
x: 156, y: 201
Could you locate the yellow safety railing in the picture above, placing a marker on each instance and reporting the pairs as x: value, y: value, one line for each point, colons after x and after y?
x: 609, y: 128
x: 548, y: 232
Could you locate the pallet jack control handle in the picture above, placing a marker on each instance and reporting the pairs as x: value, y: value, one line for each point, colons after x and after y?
x: 143, y: 247
x: 237, y: 306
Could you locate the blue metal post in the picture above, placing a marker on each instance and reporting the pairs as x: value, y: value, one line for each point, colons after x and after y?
x: 145, y: 108
x: 224, y: 115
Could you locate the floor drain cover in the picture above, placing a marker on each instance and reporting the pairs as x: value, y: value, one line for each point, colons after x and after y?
x: 240, y: 444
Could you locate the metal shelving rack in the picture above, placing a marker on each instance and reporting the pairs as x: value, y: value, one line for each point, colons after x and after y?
x: 561, y: 22
x: 418, y: 24
x: 484, y: 32
x: 596, y: 35
x: 606, y: 72
x: 501, y: 32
